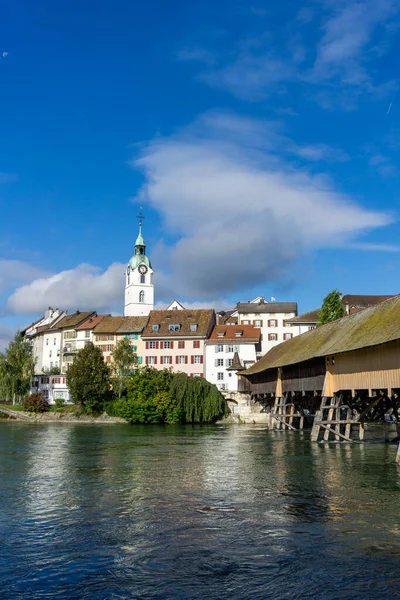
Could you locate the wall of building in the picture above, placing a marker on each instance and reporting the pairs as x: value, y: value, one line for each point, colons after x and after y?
x: 134, y: 286
x: 188, y: 359
x: 107, y: 342
x: 52, y: 387
x: 217, y: 373
x: 264, y: 321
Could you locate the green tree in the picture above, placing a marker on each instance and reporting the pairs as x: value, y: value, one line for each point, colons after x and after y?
x: 125, y: 360
x: 331, y: 309
x: 17, y: 368
x: 88, y: 379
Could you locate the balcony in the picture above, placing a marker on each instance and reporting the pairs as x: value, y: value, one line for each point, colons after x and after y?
x: 70, y: 349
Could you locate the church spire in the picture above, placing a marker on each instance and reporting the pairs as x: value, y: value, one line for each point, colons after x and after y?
x: 139, y: 240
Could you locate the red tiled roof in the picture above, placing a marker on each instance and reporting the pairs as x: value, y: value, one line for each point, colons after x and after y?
x: 203, y: 318
x: 92, y: 322
x: 249, y: 334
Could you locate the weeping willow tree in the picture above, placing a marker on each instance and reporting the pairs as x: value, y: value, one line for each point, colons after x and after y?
x: 201, y: 401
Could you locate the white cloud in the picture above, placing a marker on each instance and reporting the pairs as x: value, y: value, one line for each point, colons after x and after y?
x: 84, y: 287
x: 4, y: 54
x: 16, y: 272
x: 242, y: 216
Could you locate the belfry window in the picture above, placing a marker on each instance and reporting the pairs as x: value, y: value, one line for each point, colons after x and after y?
x: 141, y: 296
x: 143, y: 279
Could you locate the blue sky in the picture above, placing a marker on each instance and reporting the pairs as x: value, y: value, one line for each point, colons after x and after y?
x: 261, y: 138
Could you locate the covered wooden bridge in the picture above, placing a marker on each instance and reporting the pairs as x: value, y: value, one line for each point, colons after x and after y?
x: 344, y: 373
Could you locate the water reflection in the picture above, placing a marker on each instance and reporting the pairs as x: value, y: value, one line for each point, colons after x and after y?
x: 194, y: 512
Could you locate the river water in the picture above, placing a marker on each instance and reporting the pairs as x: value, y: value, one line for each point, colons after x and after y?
x: 190, y: 512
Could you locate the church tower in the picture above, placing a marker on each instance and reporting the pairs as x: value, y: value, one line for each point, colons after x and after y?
x: 139, y: 289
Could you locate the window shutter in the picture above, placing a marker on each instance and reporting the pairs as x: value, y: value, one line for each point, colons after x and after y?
x: 192, y: 360
x: 155, y: 359
x: 176, y: 360
x: 157, y: 345
x: 147, y: 345
x: 147, y: 360
x: 172, y: 345
x: 201, y: 359
x: 186, y: 360
x: 261, y: 323
x: 162, y: 345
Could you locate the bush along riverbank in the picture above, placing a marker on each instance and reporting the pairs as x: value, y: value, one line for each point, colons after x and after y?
x: 146, y: 396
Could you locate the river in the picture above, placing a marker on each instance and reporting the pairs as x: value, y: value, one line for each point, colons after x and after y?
x: 189, y: 512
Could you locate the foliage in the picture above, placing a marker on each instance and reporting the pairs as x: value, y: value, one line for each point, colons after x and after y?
x: 52, y: 371
x: 163, y: 397
x: 124, y: 362
x: 16, y: 368
x: 36, y: 403
x: 200, y: 400
x: 331, y: 309
x: 88, y: 379
x: 59, y: 403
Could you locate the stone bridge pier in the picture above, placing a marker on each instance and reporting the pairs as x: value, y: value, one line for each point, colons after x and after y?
x: 244, y: 410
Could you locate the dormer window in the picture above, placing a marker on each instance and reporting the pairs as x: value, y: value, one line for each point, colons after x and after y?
x: 174, y: 327
x: 238, y: 333
x: 156, y: 328
x: 193, y: 327
x: 221, y: 333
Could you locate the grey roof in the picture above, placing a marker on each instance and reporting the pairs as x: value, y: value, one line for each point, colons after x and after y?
x: 308, y: 317
x: 267, y: 307
x: 373, y: 326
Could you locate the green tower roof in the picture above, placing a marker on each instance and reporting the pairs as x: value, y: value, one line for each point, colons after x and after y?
x: 139, y: 256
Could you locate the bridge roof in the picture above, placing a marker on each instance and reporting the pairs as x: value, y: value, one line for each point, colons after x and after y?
x: 373, y: 326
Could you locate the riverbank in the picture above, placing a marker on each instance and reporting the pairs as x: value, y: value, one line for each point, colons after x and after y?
x: 56, y: 417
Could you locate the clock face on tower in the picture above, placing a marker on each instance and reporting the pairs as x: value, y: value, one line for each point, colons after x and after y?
x: 142, y: 269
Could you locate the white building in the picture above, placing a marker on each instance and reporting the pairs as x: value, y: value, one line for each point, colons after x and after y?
x: 52, y: 387
x: 224, y: 343
x: 46, y: 340
x: 139, y: 288
x: 270, y: 317
x: 303, y: 323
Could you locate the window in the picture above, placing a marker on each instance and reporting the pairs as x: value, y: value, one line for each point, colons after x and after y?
x: 229, y: 362
x: 197, y: 359
x: 181, y: 360
x: 109, y: 347
x: 193, y: 326
x: 229, y: 349
x: 87, y: 334
x: 246, y: 322
x: 108, y: 359
x: 221, y: 333
x: 166, y: 345
x: 219, y: 348
x: 166, y: 360
x: 181, y: 344
x: 196, y: 344
x: 272, y: 337
x: 47, y: 341
x: 50, y: 354
x: 220, y: 376
x: 143, y: 279
x: 110, y: 337
x: 156, y: 328
x: 258, y: 323
x: 287, y: 324
x: 287, y: 336
x: 272, y: 323
x: 174, y: 327
x: 98, y: 338
x: 141, y: 296
x: 151, y: 360
x: 129, y: 279
x: 219, y: 362
x: 238, y: 333
x: 54, y: 341
x: 311, y: 327
x: 152, y: 345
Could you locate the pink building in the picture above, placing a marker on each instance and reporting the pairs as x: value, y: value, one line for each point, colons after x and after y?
x: 175, y: 339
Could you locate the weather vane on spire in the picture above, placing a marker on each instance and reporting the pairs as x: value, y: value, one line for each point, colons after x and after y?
x: 140, y: 216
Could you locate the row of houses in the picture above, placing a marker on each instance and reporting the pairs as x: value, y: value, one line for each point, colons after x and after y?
x: 198, y: 342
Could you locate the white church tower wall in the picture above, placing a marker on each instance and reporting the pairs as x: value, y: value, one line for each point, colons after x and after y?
x: 139, y: 287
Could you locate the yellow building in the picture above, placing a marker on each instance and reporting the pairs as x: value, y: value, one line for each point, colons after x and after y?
x: 112, y: 329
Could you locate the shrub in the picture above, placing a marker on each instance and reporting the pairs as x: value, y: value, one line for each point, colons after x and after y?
x: 60, y: 403
x: 36, y: 403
